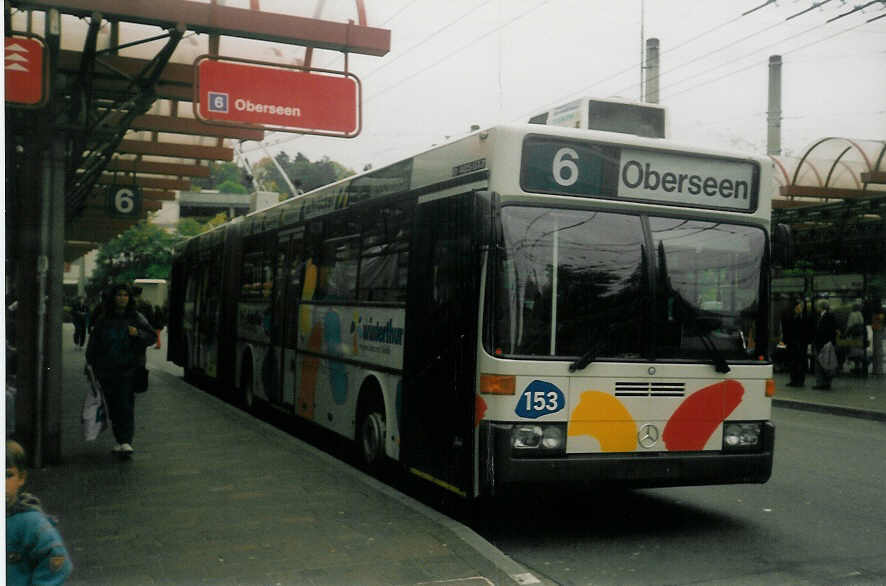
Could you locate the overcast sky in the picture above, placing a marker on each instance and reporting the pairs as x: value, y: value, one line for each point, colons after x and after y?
x: 455, y: 63
x: 463, y: 62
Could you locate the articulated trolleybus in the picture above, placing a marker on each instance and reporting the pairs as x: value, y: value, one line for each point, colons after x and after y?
x: 527, y: 304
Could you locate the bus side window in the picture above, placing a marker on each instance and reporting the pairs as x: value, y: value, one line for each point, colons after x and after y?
x: 337, y: 274
x: 251, y: 275
x: 384, y: 255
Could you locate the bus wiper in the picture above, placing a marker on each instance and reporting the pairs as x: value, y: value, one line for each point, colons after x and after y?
x: 720, y: 364
x: 584, y: 359
x: 691, y: 311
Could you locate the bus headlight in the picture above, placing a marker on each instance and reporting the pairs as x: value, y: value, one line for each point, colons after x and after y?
x: 535, y: 439
x: 741, y: 435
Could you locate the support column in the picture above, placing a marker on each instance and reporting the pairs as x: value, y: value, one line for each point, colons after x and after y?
x: 773, y: 116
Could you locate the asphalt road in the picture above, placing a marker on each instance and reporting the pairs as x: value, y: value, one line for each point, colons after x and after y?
x: 821, y: 519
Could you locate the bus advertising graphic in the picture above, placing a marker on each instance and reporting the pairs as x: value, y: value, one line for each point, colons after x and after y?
x: 282, y: 99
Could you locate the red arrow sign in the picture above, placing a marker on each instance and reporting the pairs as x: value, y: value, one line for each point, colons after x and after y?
x: 24, y: 70
x: 277, y: 98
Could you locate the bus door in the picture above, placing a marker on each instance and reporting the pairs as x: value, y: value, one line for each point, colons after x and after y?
x: 273, y: 362
x: 440, y: 355
x: 198, y: 354
x: 289, y: 279
x: 208, y: 314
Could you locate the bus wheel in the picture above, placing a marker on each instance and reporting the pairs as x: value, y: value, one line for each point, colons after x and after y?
x: 371, y: 439
x: 188, y: 371
x: 246, y: 389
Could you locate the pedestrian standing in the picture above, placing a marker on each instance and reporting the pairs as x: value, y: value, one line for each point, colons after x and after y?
x: 116, y: 352
x: 79, y: 315
x: 857, y: 338
x: 878, y: 326
x: 35, y: 552
x: 825, y: 332
x: 795, y: 333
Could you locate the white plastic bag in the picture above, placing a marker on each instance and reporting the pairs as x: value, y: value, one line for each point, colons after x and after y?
x: 94, y: 415
x: 827, y: 357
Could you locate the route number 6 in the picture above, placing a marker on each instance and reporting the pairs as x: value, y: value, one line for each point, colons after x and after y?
x: 565, y: 168
x: 124, y: 201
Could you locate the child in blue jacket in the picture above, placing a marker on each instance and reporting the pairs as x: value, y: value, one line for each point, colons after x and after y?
x: 35, y: 553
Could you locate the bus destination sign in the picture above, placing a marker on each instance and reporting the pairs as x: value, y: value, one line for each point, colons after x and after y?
x: 247, y: 93
x: 655, y: 176
x: 684, y: 180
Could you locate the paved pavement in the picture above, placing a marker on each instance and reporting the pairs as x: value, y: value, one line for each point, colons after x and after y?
x: 850, y: 395
x: 216, y: 496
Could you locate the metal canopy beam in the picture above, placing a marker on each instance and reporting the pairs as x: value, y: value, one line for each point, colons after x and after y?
x: 155, y: 182
x: 176, y: 125
x: 155, y: 168
x: 181, y: 151
x: 826, y: 192
x: 214, y: 19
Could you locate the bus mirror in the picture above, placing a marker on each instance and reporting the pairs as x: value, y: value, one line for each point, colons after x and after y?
x: 782, y: 245
x: 485, y: 206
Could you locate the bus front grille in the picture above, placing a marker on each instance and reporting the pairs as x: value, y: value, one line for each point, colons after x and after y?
x: 649, y: 389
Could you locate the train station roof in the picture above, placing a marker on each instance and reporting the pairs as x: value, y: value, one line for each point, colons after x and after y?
x: 834, y: 198
x: 831, y: 169
x: 122, y: 82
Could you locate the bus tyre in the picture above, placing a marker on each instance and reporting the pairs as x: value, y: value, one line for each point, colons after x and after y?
x: 188, y: 371
x: 246, y: 388
x: 371, y: 439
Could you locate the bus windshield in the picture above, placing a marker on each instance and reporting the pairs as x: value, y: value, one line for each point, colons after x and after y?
x: 626, y: 287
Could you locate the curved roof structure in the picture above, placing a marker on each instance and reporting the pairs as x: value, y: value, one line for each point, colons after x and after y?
x: 829, y: 169
x: 834, y: 198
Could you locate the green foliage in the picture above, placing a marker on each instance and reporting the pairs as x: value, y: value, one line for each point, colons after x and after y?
x: 188, y: 227
x: 303, y: 173
x: 222, y: 173
x: 143, y: 252
x: 230, y: 186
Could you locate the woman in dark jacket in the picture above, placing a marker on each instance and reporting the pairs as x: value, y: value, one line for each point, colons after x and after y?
x: 825, y: 332
x: 116, y: 352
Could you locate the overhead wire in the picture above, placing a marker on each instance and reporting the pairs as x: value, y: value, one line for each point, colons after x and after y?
x: 458, y: 50
x: 442, y: 59
x: 629, y: 69
x: 757, y: 64
x: 440, y: 30
x: 619, y: 73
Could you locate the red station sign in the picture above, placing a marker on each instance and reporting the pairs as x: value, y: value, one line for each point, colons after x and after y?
x: 276, y: 98
x: 23, y: 60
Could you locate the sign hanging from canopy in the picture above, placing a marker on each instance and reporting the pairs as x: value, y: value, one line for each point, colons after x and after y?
x: 237, y: 92
x: 25, y: 71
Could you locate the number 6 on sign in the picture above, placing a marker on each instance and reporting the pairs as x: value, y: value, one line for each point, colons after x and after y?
x: 124, y: 201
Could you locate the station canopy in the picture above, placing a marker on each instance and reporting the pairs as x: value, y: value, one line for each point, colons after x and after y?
x: 123, y: 85
x: 834, y: 198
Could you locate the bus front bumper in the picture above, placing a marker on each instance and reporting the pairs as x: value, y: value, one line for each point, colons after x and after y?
x: 636, y: 469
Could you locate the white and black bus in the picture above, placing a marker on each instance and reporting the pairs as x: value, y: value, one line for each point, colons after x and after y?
x: 527, y: 304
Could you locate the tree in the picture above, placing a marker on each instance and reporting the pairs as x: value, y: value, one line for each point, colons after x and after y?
x: 143, y: 252
x: 188, y: 227
x: 223, y: 174
x: 229, y: 186
x: 301, y: 171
